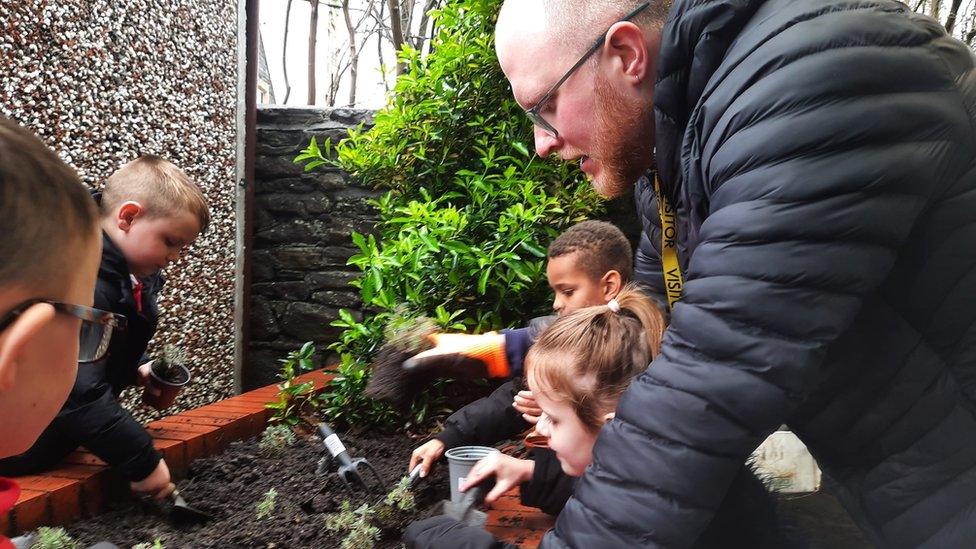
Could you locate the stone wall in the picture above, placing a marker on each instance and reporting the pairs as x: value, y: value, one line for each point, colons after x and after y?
x: 302, y: 226
x: 103, y: 81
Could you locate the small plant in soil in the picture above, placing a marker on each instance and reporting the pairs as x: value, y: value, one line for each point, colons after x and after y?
x: 156, y: 544
x: 52, y: 538
x: 169, y: 367
x: 401, y: 497
x: 276, y: 439
x: 362, y: 535
x: 364, y: 523
x: 358, y: 523
x: 405, y: 336
x: 266, y: 506
x: 293, y: 397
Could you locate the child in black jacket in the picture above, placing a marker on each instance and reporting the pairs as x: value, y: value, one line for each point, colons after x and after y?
x: 578, y: 370
x: 150, y: 212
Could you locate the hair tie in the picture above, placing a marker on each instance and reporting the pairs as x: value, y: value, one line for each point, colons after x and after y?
x: 614, y: 305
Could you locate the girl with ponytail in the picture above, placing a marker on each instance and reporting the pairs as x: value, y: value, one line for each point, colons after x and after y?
x: 578, y: 370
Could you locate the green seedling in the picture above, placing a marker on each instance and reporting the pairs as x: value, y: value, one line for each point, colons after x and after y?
x: 276, y: 439
x: 53, y: 538
x: 401, y: 497
x: 294, y: 397
x: 362, y: 535
x: 343, y: 520
x: 267, y: 505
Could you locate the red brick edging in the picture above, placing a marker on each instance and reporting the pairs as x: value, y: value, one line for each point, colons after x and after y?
x: 82, y: 485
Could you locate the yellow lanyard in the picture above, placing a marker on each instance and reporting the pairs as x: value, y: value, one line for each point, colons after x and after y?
x: 669, y: 247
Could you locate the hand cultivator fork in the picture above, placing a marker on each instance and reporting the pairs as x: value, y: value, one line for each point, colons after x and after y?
x: 350, y: 470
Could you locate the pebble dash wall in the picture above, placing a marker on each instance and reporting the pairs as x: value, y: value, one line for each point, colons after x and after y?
x: 102, y: 81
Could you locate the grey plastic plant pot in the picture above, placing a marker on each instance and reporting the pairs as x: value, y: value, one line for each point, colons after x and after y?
x: 460, y: 460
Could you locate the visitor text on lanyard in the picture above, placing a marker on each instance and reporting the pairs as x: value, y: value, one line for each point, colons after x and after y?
x: 669, y: 246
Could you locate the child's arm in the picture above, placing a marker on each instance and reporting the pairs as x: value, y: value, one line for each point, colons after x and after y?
x: 493, y: 355
x: 485, y: 421
x: 94, y: 418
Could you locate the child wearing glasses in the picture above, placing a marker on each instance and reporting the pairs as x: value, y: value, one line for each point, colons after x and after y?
x: 578, y: 370
x: 150, y: 211
x: 47, y: 273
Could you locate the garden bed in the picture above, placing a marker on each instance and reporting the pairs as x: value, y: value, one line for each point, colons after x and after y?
x: 230, y: 485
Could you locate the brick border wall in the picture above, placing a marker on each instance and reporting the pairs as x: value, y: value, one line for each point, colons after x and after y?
x: 83, y: 485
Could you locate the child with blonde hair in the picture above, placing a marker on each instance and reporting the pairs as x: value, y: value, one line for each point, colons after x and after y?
x: 150, y: 212
x: 578, y: 370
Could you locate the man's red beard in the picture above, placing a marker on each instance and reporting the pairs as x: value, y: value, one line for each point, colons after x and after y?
x: 624, y: 139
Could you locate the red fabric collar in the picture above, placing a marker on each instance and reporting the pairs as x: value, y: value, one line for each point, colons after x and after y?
x: 9, y: 492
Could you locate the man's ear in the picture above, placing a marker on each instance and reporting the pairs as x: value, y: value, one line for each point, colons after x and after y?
x: 128, y: 212
x: 17, y: 337
x: 612, y: 283
x: 627, y: 49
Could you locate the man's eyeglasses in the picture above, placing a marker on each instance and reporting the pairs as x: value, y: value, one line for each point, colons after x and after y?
x: 96, y: 326
x: 535, y: 112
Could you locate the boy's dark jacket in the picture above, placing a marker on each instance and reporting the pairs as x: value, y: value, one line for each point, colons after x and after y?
x: 92, y: 416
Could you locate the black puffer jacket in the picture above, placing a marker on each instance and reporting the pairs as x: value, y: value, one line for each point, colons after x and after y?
x: 822, y: 157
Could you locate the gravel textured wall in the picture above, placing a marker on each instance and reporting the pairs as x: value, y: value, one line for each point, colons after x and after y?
x: 302, y: 226
x: 102, y: 81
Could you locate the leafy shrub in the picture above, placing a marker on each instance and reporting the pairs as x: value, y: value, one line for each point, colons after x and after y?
x: 156, y: 544
x: 469, y: 210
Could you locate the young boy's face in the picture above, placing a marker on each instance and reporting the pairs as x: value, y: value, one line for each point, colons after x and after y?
x: 151, y: 243
x: 574, y: 288
x: 41, y: 346
x: 567, y: 436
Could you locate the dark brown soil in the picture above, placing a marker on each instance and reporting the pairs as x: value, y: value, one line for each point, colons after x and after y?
x: 230, y: 485
x: 170, y: 373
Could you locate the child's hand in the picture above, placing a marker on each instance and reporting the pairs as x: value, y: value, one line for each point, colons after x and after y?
x: 157, y: 484
x: 525, y: 403
x: 508, y: 472
x: 143, y: 377
x: 426, y: 453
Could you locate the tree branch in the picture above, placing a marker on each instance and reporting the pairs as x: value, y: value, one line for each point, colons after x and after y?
x: 284, y: 54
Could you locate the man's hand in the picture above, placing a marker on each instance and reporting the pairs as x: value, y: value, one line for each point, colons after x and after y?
x: 526, y: 404
x: 427, y: 453
x: 508, y: 472
x: 157, y: 485
x: 462, y: 356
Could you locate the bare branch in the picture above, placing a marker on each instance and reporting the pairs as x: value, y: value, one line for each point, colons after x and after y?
x: 397, y: 30
x: 953, y: 13
x: 353, y: 53
x: 313, y: 30
x: 284, y: 54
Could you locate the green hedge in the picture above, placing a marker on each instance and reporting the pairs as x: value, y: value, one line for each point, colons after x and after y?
x: 469, y: 211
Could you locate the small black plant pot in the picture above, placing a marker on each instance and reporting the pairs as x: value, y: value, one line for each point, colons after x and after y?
x: 165, y: 383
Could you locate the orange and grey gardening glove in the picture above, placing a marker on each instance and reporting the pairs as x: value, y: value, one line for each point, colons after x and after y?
x: 461, y: 356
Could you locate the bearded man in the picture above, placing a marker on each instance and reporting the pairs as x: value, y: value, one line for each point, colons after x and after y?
x: 814, y: 166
